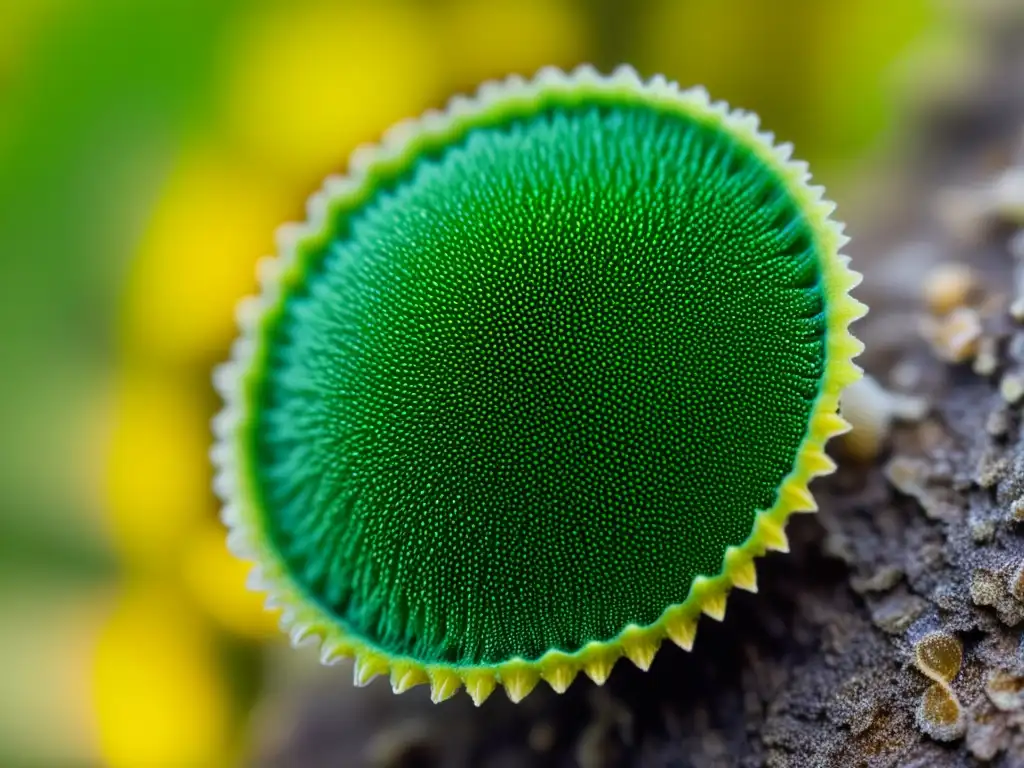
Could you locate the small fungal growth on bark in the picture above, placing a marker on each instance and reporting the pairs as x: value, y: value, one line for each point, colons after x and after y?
x: 939, y: 655
x: 535, y: 384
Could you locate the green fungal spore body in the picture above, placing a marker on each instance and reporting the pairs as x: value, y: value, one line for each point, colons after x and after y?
x: 536, y: 384
x: 532, y: 416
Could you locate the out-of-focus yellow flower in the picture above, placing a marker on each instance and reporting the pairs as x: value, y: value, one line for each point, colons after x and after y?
x: 157, y: 477
x: 492, y: 39
x: 816, y: 72
x: 215, y: 219
x: 307, y: 82
x: 216, y: 580
x: 45, y: 664
x: 849, y: 79
x: 159, y: 693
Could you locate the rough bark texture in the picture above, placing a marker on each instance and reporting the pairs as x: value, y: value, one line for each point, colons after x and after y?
x: 891, y: 634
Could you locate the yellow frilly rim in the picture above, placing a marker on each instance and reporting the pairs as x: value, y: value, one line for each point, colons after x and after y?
x: 303, y: 618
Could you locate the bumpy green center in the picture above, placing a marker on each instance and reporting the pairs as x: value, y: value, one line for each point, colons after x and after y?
x: 538, y: 383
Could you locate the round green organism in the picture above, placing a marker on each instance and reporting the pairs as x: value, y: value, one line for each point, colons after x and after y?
x: 535, y: 384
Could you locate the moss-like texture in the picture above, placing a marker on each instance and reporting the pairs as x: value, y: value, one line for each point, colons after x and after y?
x: 538, y: 383
x: 541, y: 385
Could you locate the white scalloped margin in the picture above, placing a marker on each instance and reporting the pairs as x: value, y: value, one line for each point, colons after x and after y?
x: 302, y: 618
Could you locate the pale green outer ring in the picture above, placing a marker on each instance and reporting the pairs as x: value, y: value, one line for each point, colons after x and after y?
x: 236, y: 380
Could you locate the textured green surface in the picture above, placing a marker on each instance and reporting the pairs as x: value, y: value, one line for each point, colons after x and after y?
x: 540, y: 384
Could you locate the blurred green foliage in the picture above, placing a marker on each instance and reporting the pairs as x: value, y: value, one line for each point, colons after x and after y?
x: 92, y: 109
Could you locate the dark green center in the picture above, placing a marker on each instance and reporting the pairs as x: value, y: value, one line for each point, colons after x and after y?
x: 539, y: 382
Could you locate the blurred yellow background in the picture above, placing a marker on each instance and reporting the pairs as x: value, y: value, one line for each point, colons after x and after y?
x: 148, y: 150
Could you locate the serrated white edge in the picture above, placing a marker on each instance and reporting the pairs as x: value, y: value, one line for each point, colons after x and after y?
x: 304, y: 622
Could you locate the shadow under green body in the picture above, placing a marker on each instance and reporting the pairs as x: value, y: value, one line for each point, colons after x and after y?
x: 539, y: 383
